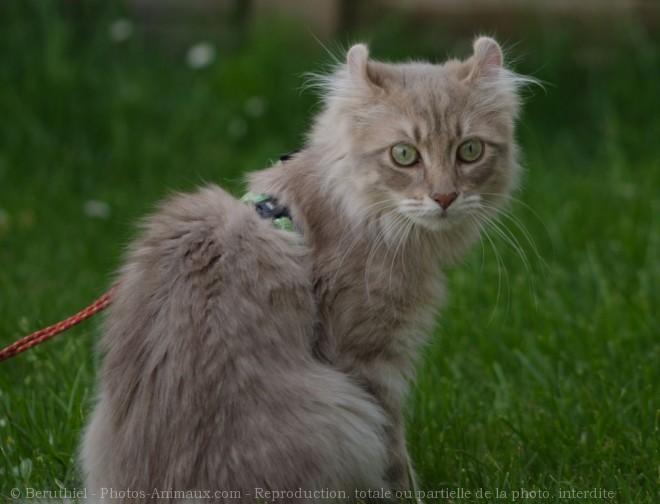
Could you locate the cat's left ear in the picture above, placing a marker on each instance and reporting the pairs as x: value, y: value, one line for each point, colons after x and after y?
x: 487, y: 59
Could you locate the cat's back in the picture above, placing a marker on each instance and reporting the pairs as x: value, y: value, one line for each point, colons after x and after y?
x: 201, y: 320
x: 199, y: 254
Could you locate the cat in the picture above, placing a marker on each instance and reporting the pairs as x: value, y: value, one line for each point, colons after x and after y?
x: 241, y: 357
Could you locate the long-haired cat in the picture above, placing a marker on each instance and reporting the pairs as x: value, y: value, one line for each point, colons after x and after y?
x: 246, y: 358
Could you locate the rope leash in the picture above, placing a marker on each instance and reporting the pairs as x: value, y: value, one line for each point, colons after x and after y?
x: 48, y: 332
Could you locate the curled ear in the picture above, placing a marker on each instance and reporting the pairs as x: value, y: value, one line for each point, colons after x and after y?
x: 356, y: 62
x: 487, y: 59
x: 362, y: 72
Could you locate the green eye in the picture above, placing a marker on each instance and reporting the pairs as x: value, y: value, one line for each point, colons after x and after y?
x: 470, y: 150
x: 404, y: 154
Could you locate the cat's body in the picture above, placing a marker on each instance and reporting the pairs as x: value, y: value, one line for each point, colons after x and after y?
x: 240, y: 356
x: 209, y: 381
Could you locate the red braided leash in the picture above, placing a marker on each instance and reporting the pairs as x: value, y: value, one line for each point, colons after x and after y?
x: 43, y: 334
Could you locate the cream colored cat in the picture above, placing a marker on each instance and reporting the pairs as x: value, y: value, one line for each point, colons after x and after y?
x: 242, y: 357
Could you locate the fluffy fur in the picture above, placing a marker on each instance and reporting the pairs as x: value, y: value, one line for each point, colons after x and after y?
x: 239, y: 356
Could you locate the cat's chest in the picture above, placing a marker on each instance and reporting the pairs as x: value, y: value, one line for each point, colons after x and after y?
x: 373, y: 303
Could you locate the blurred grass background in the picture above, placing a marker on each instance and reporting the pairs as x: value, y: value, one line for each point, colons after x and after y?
x: 539, y: 378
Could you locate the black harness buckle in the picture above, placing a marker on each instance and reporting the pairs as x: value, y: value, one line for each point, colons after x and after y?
x: 269, y: 208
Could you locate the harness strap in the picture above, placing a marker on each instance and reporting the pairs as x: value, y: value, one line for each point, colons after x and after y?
x: 269, y: 208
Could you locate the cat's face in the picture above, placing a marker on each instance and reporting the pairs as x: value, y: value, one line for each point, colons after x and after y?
x: 433, y: 143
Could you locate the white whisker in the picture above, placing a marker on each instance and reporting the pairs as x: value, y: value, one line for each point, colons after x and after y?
x: 372, y: 210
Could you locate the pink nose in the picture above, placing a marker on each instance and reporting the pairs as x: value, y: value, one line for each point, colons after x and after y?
x: 444, y: 200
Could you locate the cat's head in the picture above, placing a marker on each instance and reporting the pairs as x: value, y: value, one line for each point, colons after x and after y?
x: 431, y: 143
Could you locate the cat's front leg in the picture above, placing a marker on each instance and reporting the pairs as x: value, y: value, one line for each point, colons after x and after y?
x: 391, y: 401
x: 398, y: 464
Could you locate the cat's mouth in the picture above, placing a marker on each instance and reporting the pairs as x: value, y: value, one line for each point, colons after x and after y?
x: 430, y: 215
x: 437, y: 220
x: 445, y: 221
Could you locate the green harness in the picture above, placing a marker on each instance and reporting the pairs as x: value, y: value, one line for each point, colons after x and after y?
x: 269, y: 208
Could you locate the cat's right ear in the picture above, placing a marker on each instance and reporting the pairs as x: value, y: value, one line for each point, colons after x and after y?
x: 487, y: 59
x: 358, y: 66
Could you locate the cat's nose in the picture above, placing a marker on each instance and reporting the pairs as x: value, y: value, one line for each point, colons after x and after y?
x: 446, y: 199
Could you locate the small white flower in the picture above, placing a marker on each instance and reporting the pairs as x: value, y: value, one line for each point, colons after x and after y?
x: 200, y: 55
x: 24, y: 469
x: 121, y: 30
x: 97, y: 209
x: 255, y: 106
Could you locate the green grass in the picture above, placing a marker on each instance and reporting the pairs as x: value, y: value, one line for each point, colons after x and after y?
x: 539, y: 379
